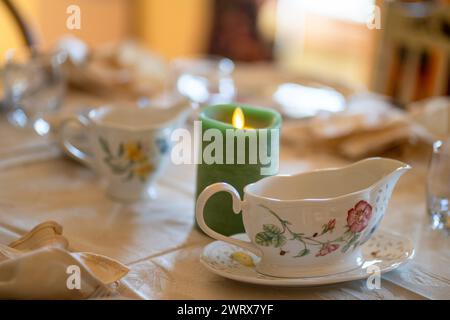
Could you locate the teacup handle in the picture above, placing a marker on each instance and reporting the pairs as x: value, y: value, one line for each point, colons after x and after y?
x: 237, y: 207
x: 68, y: 146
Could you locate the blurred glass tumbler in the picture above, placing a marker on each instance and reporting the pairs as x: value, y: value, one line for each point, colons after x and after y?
x: 218, y: 211
x: 34, y: 87
x: 438, y: 186
x: 204, y: 79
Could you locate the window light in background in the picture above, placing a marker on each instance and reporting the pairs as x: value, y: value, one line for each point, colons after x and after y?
x: 351, y: 10
x: 324, y: 38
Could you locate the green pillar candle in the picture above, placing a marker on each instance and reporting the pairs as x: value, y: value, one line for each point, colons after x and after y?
x: 238, y: 166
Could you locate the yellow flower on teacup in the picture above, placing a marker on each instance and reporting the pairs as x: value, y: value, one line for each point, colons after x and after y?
x: 134, y: 152
x: 144, y: 170
x: 130, y: 160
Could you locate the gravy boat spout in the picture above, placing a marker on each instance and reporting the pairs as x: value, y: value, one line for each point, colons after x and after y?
x: 385, y: 171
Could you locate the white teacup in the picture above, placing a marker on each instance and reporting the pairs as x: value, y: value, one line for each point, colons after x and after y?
x: 314, y: 223
x: 127, y: 146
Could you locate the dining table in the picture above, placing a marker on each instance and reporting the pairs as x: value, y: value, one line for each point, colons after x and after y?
x: 158, y: 239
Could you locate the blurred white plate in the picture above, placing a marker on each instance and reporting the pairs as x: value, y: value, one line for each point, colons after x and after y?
x: 299, y: 101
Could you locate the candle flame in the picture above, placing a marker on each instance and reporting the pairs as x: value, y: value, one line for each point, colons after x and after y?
x: 238, y: 120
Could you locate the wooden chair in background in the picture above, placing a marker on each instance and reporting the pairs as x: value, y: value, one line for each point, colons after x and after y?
x: 413, y: 60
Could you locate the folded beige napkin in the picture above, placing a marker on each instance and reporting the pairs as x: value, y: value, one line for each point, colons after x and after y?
x: 431, y: 118
x: 123, y: 70
x: 369, y: 126
x: 40, y: 266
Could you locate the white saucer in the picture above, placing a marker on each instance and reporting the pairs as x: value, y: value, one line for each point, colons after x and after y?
x: 385, y: 250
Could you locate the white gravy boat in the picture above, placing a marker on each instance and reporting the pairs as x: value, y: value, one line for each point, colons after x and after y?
x: 313, y: 223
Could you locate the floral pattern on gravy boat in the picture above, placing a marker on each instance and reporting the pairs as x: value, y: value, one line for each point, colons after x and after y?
x: 357, y: 220
x: 314, y: 223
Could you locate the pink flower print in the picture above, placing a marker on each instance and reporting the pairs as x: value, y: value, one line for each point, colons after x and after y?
x: 359, y: 216
x: 330, y: 225
x: 327, y: 248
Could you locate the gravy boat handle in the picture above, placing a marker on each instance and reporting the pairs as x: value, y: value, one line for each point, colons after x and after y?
x: 237, y: 208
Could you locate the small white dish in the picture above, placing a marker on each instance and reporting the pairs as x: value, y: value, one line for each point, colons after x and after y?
x: 298, y: 101
x: 385, y: 250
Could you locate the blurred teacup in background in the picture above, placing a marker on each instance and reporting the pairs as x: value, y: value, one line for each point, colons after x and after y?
x: 127, y: 146
x: 34, y: 86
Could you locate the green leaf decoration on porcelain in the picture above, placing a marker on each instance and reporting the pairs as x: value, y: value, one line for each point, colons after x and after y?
x: 121, y: 151
x: 275, y: 236
x: 263, y: 239
x: 272, y: 235
x: 303, y: 253
x: 130, y: 159
x: 278, y: 241
x: 351, y: 243
x: 104, y: 146
x: 272, y: 229
x: 163, y: 145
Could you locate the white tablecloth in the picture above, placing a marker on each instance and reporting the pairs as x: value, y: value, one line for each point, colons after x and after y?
x: 158, y: 240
